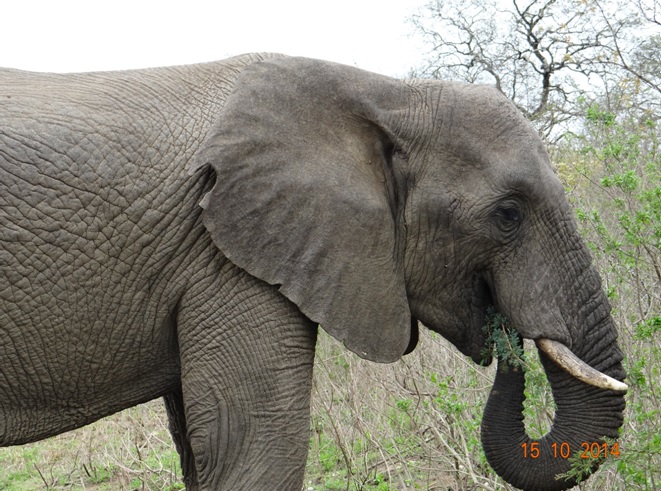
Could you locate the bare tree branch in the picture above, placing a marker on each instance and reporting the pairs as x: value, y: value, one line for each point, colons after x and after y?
x: 545, y: 55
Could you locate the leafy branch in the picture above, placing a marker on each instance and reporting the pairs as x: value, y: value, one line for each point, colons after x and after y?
x: 503, y: 339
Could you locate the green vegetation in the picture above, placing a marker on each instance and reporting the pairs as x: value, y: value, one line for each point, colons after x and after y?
x: 502, y: 339
x: 616, y: 189
x: 131, y: 450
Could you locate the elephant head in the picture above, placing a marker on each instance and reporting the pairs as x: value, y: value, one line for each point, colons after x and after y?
x: 375, y: 203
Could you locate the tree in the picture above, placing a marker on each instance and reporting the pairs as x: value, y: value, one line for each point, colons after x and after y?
x: 545, y: 54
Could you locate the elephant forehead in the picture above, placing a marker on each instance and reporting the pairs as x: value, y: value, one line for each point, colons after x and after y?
x: 524, y: 170
x: 471, y: 164
x: 481, y: 140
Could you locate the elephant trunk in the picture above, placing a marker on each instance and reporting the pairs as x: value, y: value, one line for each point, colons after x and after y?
x: 585, y: 415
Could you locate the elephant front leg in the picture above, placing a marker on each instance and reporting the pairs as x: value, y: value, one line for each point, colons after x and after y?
x: 246, y: 382
x: 174, y: 405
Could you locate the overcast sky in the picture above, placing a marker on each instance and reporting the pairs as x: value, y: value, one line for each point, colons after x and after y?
x: 77, y: 35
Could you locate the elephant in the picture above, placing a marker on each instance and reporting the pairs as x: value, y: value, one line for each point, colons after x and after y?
x: 181, y: 232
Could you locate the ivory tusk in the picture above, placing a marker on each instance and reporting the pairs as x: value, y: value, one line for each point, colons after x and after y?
x: 573, y: 365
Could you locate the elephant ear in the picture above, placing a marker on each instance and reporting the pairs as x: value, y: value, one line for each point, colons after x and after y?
x: 305, y: 197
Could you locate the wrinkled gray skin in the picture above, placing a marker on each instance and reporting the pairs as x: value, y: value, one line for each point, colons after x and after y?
x: 180, y: 232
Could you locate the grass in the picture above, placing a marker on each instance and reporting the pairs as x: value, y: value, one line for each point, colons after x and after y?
x: 131, y: 450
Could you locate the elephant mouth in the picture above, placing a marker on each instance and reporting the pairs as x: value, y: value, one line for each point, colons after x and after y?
x: 482, y: 303
x: 557, y: 352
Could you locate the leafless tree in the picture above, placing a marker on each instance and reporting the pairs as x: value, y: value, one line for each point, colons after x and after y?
x: 546, y: 55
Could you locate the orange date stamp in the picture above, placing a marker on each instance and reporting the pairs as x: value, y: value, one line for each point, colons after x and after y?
x: 563, y: 450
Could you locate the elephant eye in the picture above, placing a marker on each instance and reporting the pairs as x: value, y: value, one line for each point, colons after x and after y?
x: 509, y: 217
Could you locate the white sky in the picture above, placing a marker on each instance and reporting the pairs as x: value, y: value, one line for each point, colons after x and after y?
x: 77, y: 35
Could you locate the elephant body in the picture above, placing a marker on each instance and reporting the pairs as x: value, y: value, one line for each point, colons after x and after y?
x: 105, y: 264
x: 181, y: 232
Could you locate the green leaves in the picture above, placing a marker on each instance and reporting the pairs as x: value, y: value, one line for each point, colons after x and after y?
x: 595, y: 115
x: 649, y: 327
x: 627, y: 181
x: 620, y: 207
x: 614, y: 182
x: 503, y: 339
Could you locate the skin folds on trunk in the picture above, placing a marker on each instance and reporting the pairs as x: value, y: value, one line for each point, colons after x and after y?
x: 584, y: 416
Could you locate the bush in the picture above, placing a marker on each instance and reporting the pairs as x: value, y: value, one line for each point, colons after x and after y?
x: 615, y: 185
